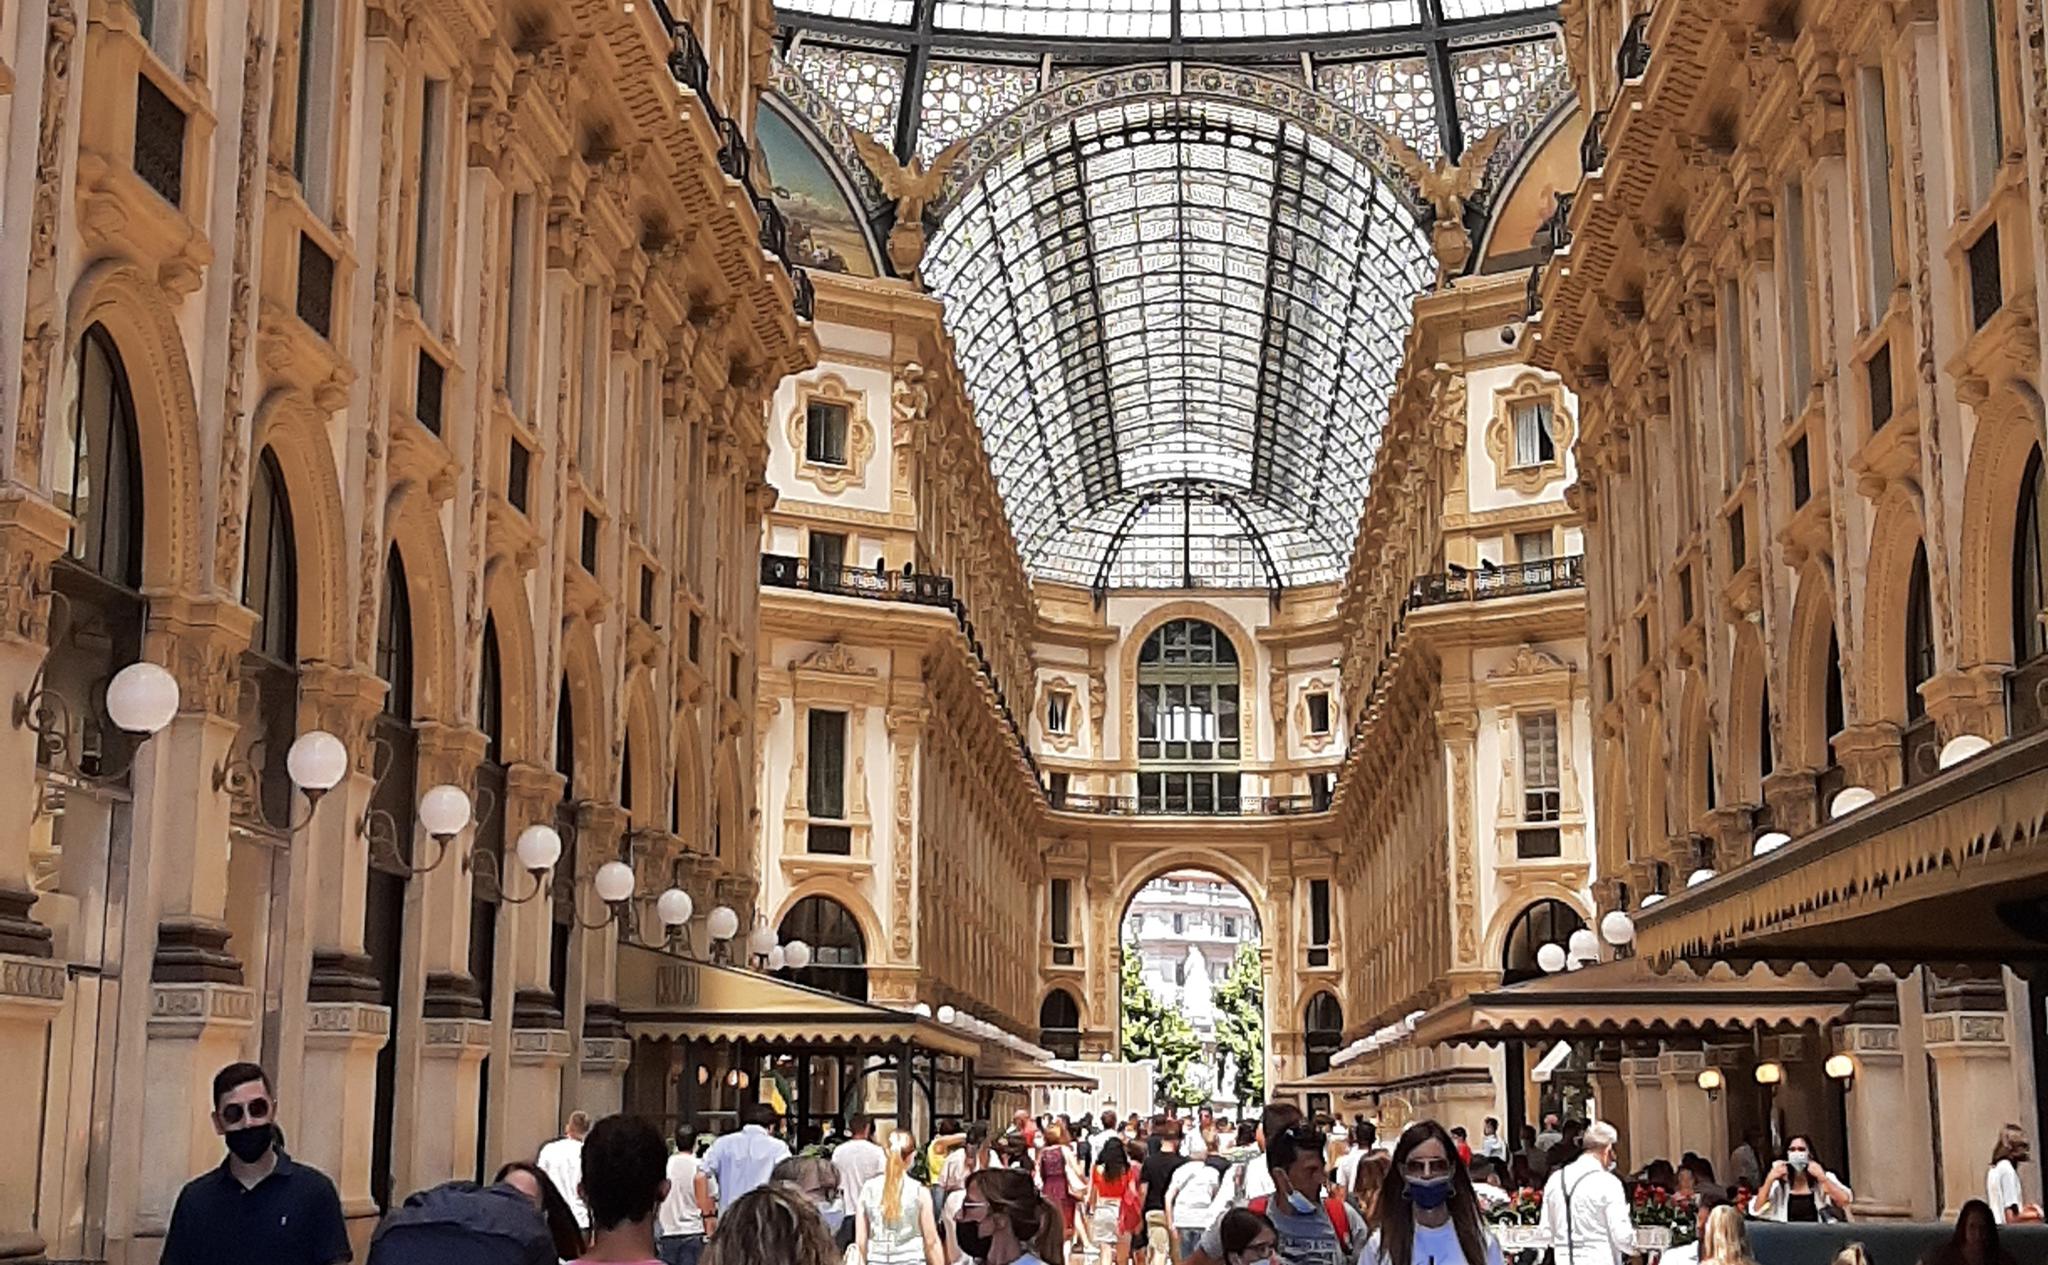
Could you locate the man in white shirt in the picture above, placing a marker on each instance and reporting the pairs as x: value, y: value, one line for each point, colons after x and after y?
x: 562, y: 1161
x: 740, y: 1162
x: 1486, y: 1186
x: 1585, y: 1207
x: 1190, y: 1203
x: 679, y: 1223
x: 1104, y: 1134
x: 1492, y: 1145
x: 857, y: 1159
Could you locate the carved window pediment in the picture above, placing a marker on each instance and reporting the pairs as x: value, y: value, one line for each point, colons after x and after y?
x: 831, y: 463
x: 1531, y: 428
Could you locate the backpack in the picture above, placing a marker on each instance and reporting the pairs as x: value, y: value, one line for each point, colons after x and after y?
x: 1334, y: 1208
x: 461, y: 1223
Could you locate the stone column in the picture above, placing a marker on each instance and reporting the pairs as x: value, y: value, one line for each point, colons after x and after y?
x: 1802, y: 1094
x: 1610, y: 1096
x: 1871, y: 757
x: 439, y: 1143
x: 1969, y: 1036
x: 1694, y: 1121
x: 526, y: 1104
x: 1968, y: 701
x: 1882, y: 1176
x: 197, y: 1014
x: 1649, y: 1134
x: 1794, y: 799
x: 328, y: 1069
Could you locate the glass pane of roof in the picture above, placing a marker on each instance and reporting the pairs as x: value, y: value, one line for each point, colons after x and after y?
x: 1396, y: 92
x: 865, y: 86
x: 1252, y: 19
x: 1464, y: 10
x: 1180, y: 320
x: 1074, y: 19
x: 1497, y: 86
x: 960, y: 98
x: 896, y: 12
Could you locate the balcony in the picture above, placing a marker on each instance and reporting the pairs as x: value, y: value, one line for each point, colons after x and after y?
x: 1246, y: 806
x: 782, y: 571
x: 1550, y: 575
x: 1632, y: 58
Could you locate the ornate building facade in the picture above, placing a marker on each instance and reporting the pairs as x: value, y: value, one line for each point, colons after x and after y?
x: 392, y: 372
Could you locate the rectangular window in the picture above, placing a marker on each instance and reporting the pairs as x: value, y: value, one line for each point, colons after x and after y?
x: 1875, y: 151
x: 1056, y: 785
x: 1318, y: 712
x: 1058, y: 709
x: 518, y: 473
x: 696, y: 637
x: 1802, y: 474
x: 1319, y: 922
x: 1642, y: 638
x: 1685, y: 598
x: 1321, y: 790
x: 429, y: 392
x: 1878, y: 371
x: 1534, y: 443
x: 825, y: 764
x: 1798, y: 328
x: 313, y: 131
x: 316, y: 287
x: 1180, y: 923
x: 647, y: 593
x: 1542, y: 782
x: 589, y: 543
x: 519, y: 301
x: 732, y: 674
x: 1532, y: 546
x: 1229, y: 927
x: 1983, y: 126
x: 825, y: 427
x: 163, y: 25
x: 159, y: 141
x: 431, y: 211
x: 1738, y: 539
x: 1538, y: 843
x: 1734, y: 387
x: 827, y: 557
x: 1987, y: 285
x: 1061, y: 904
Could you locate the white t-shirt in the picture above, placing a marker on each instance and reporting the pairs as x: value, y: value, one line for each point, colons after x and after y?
x: 562, y: 1161
x: 1437, y: 1245
x: 858, y: 1161
x: 2002, y: 1184
x: 679, y: 1214
x: 1347, y: 1167
x: 1585, y: 1208
x: 1191, y: 1196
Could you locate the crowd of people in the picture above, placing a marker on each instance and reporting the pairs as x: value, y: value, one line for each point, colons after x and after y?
x: 1278, y: 1190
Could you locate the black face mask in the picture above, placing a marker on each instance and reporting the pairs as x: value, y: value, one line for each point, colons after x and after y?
x: 249, y: 1144
x: 973, y: 1242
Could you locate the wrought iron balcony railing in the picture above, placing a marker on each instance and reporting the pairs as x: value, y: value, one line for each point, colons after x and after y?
x: 1245, y: 806
x: 1551, y: 575
x: 1632, y: 58
x: 1592, y: 149
x: 782, y: 571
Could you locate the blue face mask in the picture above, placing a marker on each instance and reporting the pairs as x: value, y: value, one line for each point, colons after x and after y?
x: 1301, y: 1203
x: 834, y: 1217
x: 1428, y: 1192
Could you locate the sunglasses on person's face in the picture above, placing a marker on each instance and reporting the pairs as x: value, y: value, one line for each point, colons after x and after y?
x: 1426, y: 1168
x: 256, y: 1110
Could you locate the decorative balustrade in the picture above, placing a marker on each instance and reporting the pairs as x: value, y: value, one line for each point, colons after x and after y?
x: 1632, y: 58
x: 1592, y: 149
x: 1550, y: 575
x: 1246, y: 806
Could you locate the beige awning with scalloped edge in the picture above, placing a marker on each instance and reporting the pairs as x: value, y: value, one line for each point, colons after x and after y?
x: 1628, y: 999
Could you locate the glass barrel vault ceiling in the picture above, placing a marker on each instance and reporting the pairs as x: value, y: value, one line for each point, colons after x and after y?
x: 1180, y: 319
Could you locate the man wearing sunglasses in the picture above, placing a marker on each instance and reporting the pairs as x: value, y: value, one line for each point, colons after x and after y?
x: 260, y: 1204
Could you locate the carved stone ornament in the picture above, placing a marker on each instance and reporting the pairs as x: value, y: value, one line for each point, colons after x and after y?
x: 1530, y: 661
x: 860, y: 435
x: 1500, y: 434
x: 834, y: 658
x: 1063, y: 738
x: 1310, y: 739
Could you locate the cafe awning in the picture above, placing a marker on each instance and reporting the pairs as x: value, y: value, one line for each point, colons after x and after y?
x: 1952, y: 870
x: 663, y: 995
x: 1005, y: 1071
x: 1628, y: 999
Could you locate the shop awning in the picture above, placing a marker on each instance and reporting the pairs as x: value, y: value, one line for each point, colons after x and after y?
x: 1005, y: 1071
x: 1628, y: 999
x: 662, y: 995
x: 1953, y: 870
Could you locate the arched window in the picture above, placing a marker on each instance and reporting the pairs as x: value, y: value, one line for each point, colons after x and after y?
x: 485, y: 881
x: 1766, y: 752
x: 564, y: 899
x: 1059, y: 1024
x: 270, y: 669
x: 1189, y: 739
x: 393, y: 798
x: 1834, y: 717
x: 1545, y: 922
x: 2029, y: 568
x: 1919, y: 635
x: 1322, y: 1027
x: 839, y: 953
x: 100, y: 480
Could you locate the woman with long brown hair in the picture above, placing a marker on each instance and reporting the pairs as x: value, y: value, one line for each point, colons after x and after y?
x: 774, y: 1224
x: 1005, y: 1221
x: 1427, y: 1209
x: 1366, y: 1182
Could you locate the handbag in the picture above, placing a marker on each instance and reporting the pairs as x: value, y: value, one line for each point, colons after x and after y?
x: 1130, y: 1213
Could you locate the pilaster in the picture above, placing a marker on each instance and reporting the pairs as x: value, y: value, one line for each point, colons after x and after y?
x: 1968, y: 701
x: 452, y: 1049
x: 1794, y: 799
x: 1885, y: 1173
x: 195, y: 1028
x: 1642, y: 1087
x: 1690, y: 1112
x: 1975, y: 1086
x: 31, y: 993
x: 1870, y: 756
x: 32, y: 533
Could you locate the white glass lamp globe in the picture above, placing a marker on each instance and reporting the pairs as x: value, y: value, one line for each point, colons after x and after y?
x: 923, y: 1010
x: 1583, y: 945
x: 444, y: 810
x: 1698, y: 876
x: 538, y: 846
x: 1769, y: 1073
x: 316, y: 762
x: 1617, y: 928
x: 1711, y: 1080
x: 947, y: 1014
x: 1849, y: 799
x: 1551, y: 958
x: 723, y: 924
x: 674, y: 907
x: 1770, y: 841
x: 797, y: 954
x: 1653, y: 900
x: 142, y: 698
x: 1960, y: 748
x: 1839, y: 1067
x: 614, y: 882
x: 777, y: 958
x: 761, y: 941
x: 1105, y: 1056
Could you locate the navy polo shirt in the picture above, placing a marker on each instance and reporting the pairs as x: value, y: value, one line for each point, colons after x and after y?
x: 291, y: 1217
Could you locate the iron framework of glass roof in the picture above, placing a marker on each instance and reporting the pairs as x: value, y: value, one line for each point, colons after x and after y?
x: 1180, y: 318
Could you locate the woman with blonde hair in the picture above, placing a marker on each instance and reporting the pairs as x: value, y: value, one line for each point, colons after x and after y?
x: 1726, y: 1241
x: 774, y: 1224
x: 895, y: 1223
